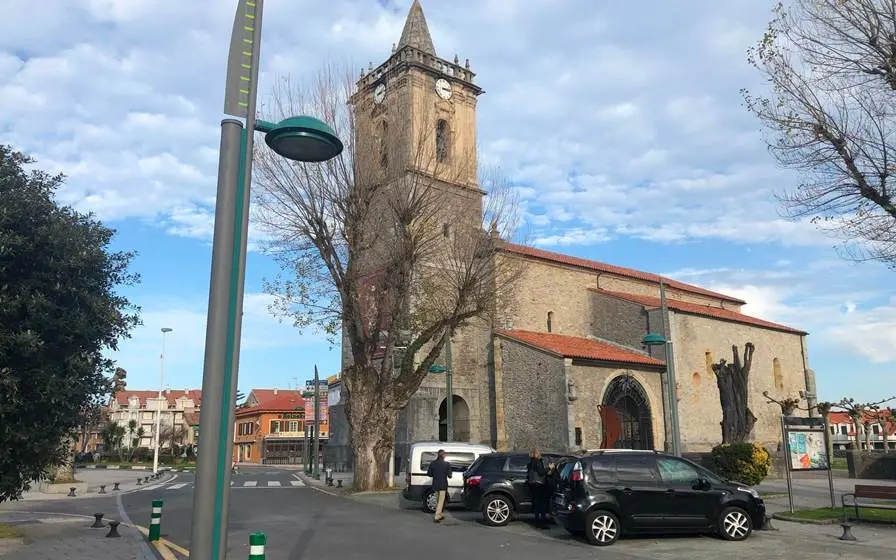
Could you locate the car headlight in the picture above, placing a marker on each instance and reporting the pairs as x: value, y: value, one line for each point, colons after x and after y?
x: 750, y: 491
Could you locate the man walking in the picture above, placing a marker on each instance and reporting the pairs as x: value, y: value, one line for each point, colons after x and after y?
x: 440, y: 471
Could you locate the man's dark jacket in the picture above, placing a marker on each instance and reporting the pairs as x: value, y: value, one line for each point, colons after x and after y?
x: 440, y: 471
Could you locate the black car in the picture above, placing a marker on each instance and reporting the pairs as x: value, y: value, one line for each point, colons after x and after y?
x: 495, y: 484
x: 614, y: 492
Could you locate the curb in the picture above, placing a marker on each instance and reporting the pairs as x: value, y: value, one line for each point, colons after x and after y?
x: 316, y: 485
x: 100, y: 466
x: 792, y: 519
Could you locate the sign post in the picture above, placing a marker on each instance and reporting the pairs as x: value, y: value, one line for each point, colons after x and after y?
x: 806, y: 449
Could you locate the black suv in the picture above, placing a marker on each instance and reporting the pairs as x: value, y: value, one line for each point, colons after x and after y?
x: 496, y: 485
x: 611, y: 492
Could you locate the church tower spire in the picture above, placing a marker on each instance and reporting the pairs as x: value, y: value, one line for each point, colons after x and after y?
x: 416, y: 32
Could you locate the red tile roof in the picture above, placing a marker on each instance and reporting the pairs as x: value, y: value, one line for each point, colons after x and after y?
x: 191, y: 418
x: 284, y: 399
x: 612, y: 269
x: 122, y: 397
x: 840, y: 417
x: 577, y: 347
x: 703, y: 310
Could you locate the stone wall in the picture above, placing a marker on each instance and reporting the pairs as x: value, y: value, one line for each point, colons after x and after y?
x: 876, y: 465
x: 534, y: 398
x: 620, y: 321
x: 592, y: 382
x: 778, y: 367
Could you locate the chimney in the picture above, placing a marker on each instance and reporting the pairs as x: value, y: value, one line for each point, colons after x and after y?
x: 275, y: 390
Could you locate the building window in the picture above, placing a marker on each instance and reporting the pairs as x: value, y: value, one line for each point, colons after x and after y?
x: 875, y: 429
x: 442, y: 140
x: 446, y: 230
x: 384, y: 150
x: 275, y: 426
x: 844, y: 430
x: 579, y: 436
x: 293, y: 425
x: 550, y: 320
x: 833, y: 430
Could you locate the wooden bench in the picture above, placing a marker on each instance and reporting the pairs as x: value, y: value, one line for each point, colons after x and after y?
x: 865, y: 492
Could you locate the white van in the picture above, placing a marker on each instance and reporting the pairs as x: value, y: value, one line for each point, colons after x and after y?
x: 420, y: 454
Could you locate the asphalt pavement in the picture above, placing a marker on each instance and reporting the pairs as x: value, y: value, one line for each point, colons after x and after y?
x: 303, y: 523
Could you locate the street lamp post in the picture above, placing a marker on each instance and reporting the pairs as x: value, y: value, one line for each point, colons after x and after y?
x: 316, y: 446
x: 155, y: 453
x: 654, y: 339
x: 303, y: 139
x: 449, y: 401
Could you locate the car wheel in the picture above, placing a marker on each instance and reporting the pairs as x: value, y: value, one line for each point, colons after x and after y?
x: 429, y: 502
x: 602, y: 527
x: 735, y: 524
x: 497, y: 510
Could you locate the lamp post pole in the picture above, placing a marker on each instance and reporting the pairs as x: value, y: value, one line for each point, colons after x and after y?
x: 156, y: 434
x: 449, y: 403
x: 672, y: 386
x: 315, y: 464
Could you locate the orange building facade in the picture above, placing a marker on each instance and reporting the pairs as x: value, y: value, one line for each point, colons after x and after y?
x: 275, y: 426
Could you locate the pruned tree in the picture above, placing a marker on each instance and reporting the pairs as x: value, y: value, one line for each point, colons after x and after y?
x: 862, y: 415
x: 733, y: 380
x: 887, y: 420
x: 788, y: 405
x: 831, y: 66
x: 377, y: 247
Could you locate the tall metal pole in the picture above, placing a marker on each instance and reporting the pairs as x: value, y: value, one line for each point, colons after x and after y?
x: 449, y: 402
x: 671, y: 386
x: 158, y: 415
x: 221, y: 367
x: 314, y: 460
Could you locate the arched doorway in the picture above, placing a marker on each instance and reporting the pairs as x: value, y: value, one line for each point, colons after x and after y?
x: 461, y: 412
x: 627, y: 409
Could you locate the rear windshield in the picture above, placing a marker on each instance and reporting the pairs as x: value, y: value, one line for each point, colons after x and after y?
x: 459, y: 461
x: 566, y: 470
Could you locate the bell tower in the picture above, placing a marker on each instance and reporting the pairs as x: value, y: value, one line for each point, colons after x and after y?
x: 416, y: 114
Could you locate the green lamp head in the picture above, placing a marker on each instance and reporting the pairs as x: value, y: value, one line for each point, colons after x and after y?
x: 436, y: 368
x: 653, y: 339
x: 301, y: 138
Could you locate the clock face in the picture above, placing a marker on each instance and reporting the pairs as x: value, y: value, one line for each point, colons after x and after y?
x: 443, y: 88
x: 379, y: 94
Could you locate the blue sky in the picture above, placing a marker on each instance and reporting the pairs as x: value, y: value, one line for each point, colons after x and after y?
x: 620, y: 123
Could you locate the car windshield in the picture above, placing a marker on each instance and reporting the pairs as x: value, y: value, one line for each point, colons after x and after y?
x: 459, y: 461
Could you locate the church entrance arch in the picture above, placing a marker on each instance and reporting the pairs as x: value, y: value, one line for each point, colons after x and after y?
x: 461, y: 412
x: 626, y: 419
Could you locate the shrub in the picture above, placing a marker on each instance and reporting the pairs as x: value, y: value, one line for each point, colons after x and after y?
x: 742, y: 462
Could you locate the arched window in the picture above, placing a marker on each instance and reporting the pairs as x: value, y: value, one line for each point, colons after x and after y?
x: 550, y: 320
x: 442, y: 140
x: 384, y: 150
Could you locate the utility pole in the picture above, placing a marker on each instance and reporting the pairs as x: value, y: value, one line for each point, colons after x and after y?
x: 315, y: 463
x: 449, y: 403
x: 671, y: 385
x: 155, y: 453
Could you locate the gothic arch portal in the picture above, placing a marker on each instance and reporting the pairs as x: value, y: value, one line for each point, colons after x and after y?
x: 626, y: 411
x: 461, y: 412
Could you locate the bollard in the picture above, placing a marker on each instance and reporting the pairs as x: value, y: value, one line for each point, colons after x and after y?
x: 145, y: 480
x: 113, y: 529
x: 847, y: 532
x: 256, y: 546
x: 767, y: 524
x: 138, y: 482
x: 102, y: 489
x: 155, y: 521
x: 115, y: 487
x: 339, y: 483
x: 98, y: 522
x: 71, y: 492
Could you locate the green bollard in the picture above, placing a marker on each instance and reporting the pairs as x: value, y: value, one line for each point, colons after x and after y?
x: 155, y: 521
x: 256, y: 546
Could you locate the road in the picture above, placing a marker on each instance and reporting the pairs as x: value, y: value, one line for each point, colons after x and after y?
x: 302, y: 523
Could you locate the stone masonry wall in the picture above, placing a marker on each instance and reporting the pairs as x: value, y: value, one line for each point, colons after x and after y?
x: 534, y: 391
x: 618, y: 320
x: 778, y: 367
x: 592, y: 383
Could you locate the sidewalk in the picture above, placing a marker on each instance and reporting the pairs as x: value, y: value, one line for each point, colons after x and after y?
x: 95, y: 478
x: 69, y: 538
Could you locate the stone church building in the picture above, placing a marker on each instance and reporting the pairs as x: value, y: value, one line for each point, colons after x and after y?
x: 568, y: 359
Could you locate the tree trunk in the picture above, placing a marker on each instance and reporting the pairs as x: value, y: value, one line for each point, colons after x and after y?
x: 371, y: 419
x: 867, y: 428
x: 733, y: 382
x: 857, y: 436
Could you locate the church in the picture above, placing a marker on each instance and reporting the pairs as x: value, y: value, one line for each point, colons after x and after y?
x: 570, y: 366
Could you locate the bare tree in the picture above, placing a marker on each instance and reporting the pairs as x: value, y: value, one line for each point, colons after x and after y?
x: 831, y: 65
x: 389, y: 245
x: 862, y: 416
x: 733, y: 381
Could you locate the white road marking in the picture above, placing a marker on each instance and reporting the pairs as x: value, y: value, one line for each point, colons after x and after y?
x: 273, y: 483
x: 176, y: 486
x: 250, y: 483
x: 297, y: 483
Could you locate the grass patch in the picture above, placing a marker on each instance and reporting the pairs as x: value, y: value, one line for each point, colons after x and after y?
x: 838, y: 463
x: 867, y: 514
x: 9, y: 532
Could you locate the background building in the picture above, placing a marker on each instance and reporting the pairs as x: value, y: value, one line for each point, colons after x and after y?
x: 843, y: 431
x: 179, y: 416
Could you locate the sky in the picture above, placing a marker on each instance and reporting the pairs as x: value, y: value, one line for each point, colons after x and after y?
x: 620, y: 124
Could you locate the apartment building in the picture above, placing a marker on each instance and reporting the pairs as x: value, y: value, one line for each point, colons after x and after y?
x: 178, y: 408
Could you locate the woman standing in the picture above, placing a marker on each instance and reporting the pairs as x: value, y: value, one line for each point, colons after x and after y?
x: 536, y: 479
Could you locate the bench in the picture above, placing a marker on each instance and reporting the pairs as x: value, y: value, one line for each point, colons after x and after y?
x: 864, y: 492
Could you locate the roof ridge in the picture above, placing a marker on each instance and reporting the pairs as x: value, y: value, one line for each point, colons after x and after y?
x: 622, y: 346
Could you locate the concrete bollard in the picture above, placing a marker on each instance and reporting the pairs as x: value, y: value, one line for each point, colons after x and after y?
x: 145, y: 480
x: 116, y: 487
x: 767, y: 524
x: 139, y: 482
x: 98, y: 521
x: 847, y: 532
x: 339, y: 483
x: 71, y: 492
x: 155, y: 521
x: 256, y: 546
x: 102, y: 489
x: 113, y: 529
